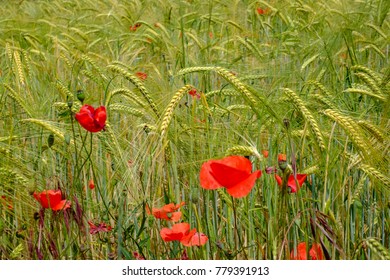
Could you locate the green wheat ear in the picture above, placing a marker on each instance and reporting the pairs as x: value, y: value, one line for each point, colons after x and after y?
x: 377, y: 248
x: 293, y: 97
x: 167, y: 117
x: 350, y: 126
x: 49, y: 127
x: 18, y: 99
x: 119, y: 107
x: 243, y: 151
x: 125, y: 93
x: 138, y: 84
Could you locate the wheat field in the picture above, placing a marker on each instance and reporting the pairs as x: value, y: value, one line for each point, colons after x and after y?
x: 188, y: 85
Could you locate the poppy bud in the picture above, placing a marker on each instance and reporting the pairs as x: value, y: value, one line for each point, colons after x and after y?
x: 282, y: 161
x: 67, y: 139
x: 50, y: 140
x: 80, y: 95
x: 286, y: 123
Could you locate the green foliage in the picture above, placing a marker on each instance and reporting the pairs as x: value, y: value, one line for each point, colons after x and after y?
x: 309, y: 79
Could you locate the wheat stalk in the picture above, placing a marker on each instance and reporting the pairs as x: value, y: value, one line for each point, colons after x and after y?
x: 349, y: 125
x: 228, y: 92
x: 375, y: 76
x: 365, y: 92
x: 134, y: 80
x: 227, y: 75
x: 126, y: 109
x: 371, y: 83
x: 372, y: 129
x: 243, y: 151
x: 376, y: 247
x: 125, y: 92
x: 167, y: 117
x: 19, y: 68
x: 373, y: 172
x: 48, y: 126
x: 15, y: 96
x: 307, y: 115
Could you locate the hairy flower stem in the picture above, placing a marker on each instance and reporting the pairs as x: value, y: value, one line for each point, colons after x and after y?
x: 238, y: 242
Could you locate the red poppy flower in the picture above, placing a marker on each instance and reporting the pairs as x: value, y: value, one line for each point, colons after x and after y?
x: 194, y: 93
x: 96, y: 228
x: 261, y: 11
x: 198, y: 239
x: 232, y: 173
x: 315, y: 252
x: 91, y: 184
x: 52, y: 199
x: 291, y: 181
x: 92, y: 119
x: 181, y: 232
x: 282, y: 157
x: 141, y: 75
x: 177, y: 232
x: 135, y: 27
x: 167, y: 212
x: 265, y: 153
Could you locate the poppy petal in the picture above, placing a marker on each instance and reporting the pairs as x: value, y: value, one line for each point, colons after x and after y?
x: 316, y: 252
x: 62, y: 205
x: 198, y: 239
x: 291, y: 182
x: 175, y: 216
x: 91, y: 119
x: 244, y: 187
x: 186, y: 240
x: 101, y: 116
x: 278, y: 180
x: 300, y: 253
x: 165, y: 234
x: 177, y: 232
x: 207, y: 181
x: 227, y: 176
x: 225, y: 172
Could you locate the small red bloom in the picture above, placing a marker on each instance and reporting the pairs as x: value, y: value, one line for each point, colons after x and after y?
x: 232, y: 173
x: 135, y: 27
x: 282, y: 157
x: 181, y: 232
x: 92, y: 119
x: 96, y: 228
x: 291, y: 181
x: 198, y: 239
x: 194, y: 93
x: 141, y: 75
x: 261, y: 11
x: 315, y: 252
x: 177, y: 232
x: 265, y: 153
x: 167, y: 212
x: 91, y: 184
x: 138, y: 256
x: 52, y: 199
